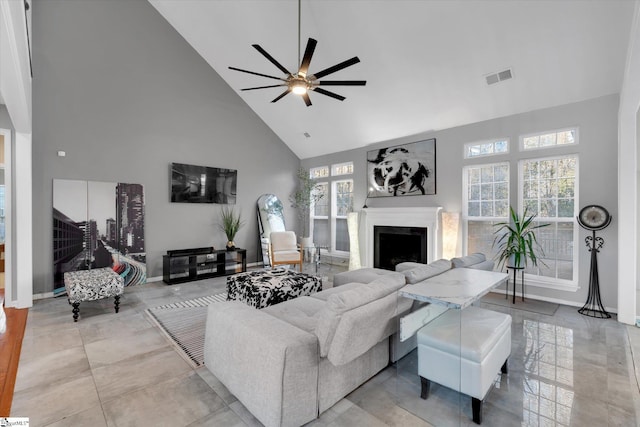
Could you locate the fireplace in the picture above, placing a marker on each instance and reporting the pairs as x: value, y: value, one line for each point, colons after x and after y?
x: 393, y: 245
x: 427, y: 218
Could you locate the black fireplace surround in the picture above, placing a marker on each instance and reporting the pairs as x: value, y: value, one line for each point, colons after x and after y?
x: 393, y: 245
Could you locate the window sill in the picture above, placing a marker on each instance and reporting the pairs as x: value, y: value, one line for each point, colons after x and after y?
x: 564, y: 286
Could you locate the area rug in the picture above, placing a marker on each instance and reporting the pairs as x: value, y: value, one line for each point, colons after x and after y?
x: 534, y: 306
x: 183, y: 323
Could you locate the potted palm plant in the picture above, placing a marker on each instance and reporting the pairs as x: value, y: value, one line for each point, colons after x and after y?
x: 230, y: 224
x: 303, y: 199
x: 516, y: 240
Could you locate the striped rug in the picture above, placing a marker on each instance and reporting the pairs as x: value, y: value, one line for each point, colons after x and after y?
x: 183, y: 323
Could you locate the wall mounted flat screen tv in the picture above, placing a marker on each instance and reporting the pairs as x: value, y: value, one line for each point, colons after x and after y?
x: 203, y: 184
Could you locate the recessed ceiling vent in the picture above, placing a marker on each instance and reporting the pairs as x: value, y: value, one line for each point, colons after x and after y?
x: 500, y: 76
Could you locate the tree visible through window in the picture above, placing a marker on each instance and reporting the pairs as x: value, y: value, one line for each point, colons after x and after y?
x: 549, y: 190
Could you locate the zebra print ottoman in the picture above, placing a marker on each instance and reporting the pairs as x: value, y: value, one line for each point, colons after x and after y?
x: 91, y: 285
x: 263, y: 288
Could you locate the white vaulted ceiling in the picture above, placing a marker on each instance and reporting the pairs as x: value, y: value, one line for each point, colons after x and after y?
x: 425, y: 61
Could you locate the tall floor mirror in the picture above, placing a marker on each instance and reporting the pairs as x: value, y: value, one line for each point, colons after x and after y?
x: 270, y: 218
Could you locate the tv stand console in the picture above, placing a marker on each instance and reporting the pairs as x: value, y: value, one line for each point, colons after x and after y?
x: 185, y: 265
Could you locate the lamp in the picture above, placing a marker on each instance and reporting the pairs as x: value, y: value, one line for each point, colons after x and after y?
x: 450, y: 226
x: 354, y: 245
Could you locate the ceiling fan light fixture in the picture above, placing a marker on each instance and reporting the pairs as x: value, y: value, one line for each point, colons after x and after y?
x: 302, y: 82
x: 298, y: 86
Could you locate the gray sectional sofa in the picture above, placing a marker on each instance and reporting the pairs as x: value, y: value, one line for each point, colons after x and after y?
x: 292, y: 361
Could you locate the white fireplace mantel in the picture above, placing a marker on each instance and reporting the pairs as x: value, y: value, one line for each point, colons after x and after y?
x: 428, y: 217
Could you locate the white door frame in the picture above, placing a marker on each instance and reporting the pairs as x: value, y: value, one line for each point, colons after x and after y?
x: 8, y: 244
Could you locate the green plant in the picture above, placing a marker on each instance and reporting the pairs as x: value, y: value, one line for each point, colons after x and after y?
x: 230, y: 222
x: 307, y: 194
x: 516, y: 240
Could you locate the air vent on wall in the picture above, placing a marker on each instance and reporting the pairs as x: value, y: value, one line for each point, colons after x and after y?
x: 499, y: 76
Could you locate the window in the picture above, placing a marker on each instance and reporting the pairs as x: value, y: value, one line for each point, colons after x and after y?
x: 486, y: 202
x: 342, y: 204
x: 342, y: 169
x: 329, y: 214
x: 486, y: 148
x: 549, y: 139
x: 320, y: 216
x: 549, y: 189
x: 319, y: 172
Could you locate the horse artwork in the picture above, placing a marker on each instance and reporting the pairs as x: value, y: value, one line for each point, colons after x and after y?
x: 403, y: 170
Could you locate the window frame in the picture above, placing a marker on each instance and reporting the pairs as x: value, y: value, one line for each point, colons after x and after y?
x: 332, y: 181
x: 522, y: 137
x: 555, y: 282
x: 315, y: 171
x: 313, y: 216
x: 333, y: 211
x: 465, y: 200
x: 335, y: 166
x: 493, y: 141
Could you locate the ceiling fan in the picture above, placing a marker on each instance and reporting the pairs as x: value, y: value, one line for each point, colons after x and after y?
x: 301, y: 82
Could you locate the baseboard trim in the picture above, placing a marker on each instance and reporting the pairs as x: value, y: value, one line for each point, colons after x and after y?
x: 554, y: 300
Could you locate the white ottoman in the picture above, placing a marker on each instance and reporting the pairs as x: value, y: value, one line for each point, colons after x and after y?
x: 464, y: 358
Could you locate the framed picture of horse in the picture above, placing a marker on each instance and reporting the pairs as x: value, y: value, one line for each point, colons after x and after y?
x: 402, y: 170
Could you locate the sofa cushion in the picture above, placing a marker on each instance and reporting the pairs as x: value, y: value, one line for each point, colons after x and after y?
x: 340, y: 302
x: 325, y: 294
x: 362, y: 328
x: 408, y: 265
x: 300, y: 312
x: 369, y: 292
x: 485, y: 265
x: 469, y: 260
x: 418, y: 274
x: 361, y: 275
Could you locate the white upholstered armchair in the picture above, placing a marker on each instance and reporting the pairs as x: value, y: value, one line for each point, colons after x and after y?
x: 284, y: 249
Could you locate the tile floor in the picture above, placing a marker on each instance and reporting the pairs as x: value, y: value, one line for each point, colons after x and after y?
x: 117, y: 370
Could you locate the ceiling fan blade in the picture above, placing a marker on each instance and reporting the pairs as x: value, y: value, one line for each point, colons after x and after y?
x: 261, y: 87
x: 271, y: 58
x: 328, y: 93
x: 281, y: 95
x: 306, y: 98
x: 306, y: 59
x: 257, y: 74
x: 343, y: 83
x: 337, y: 67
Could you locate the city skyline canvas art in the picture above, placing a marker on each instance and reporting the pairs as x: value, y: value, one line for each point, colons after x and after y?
x: 98, y: 224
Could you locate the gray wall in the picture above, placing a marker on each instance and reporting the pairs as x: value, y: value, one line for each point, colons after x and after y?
x: 597, y: 149
x: 5, y: 120
x: 118, y: 89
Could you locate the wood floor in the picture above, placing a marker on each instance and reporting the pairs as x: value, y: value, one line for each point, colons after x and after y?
x: 10, y: 345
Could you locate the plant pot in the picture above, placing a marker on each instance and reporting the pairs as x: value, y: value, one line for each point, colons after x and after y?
x: 512, y: 261
x: 306, y: 242
x: 231, y: 246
